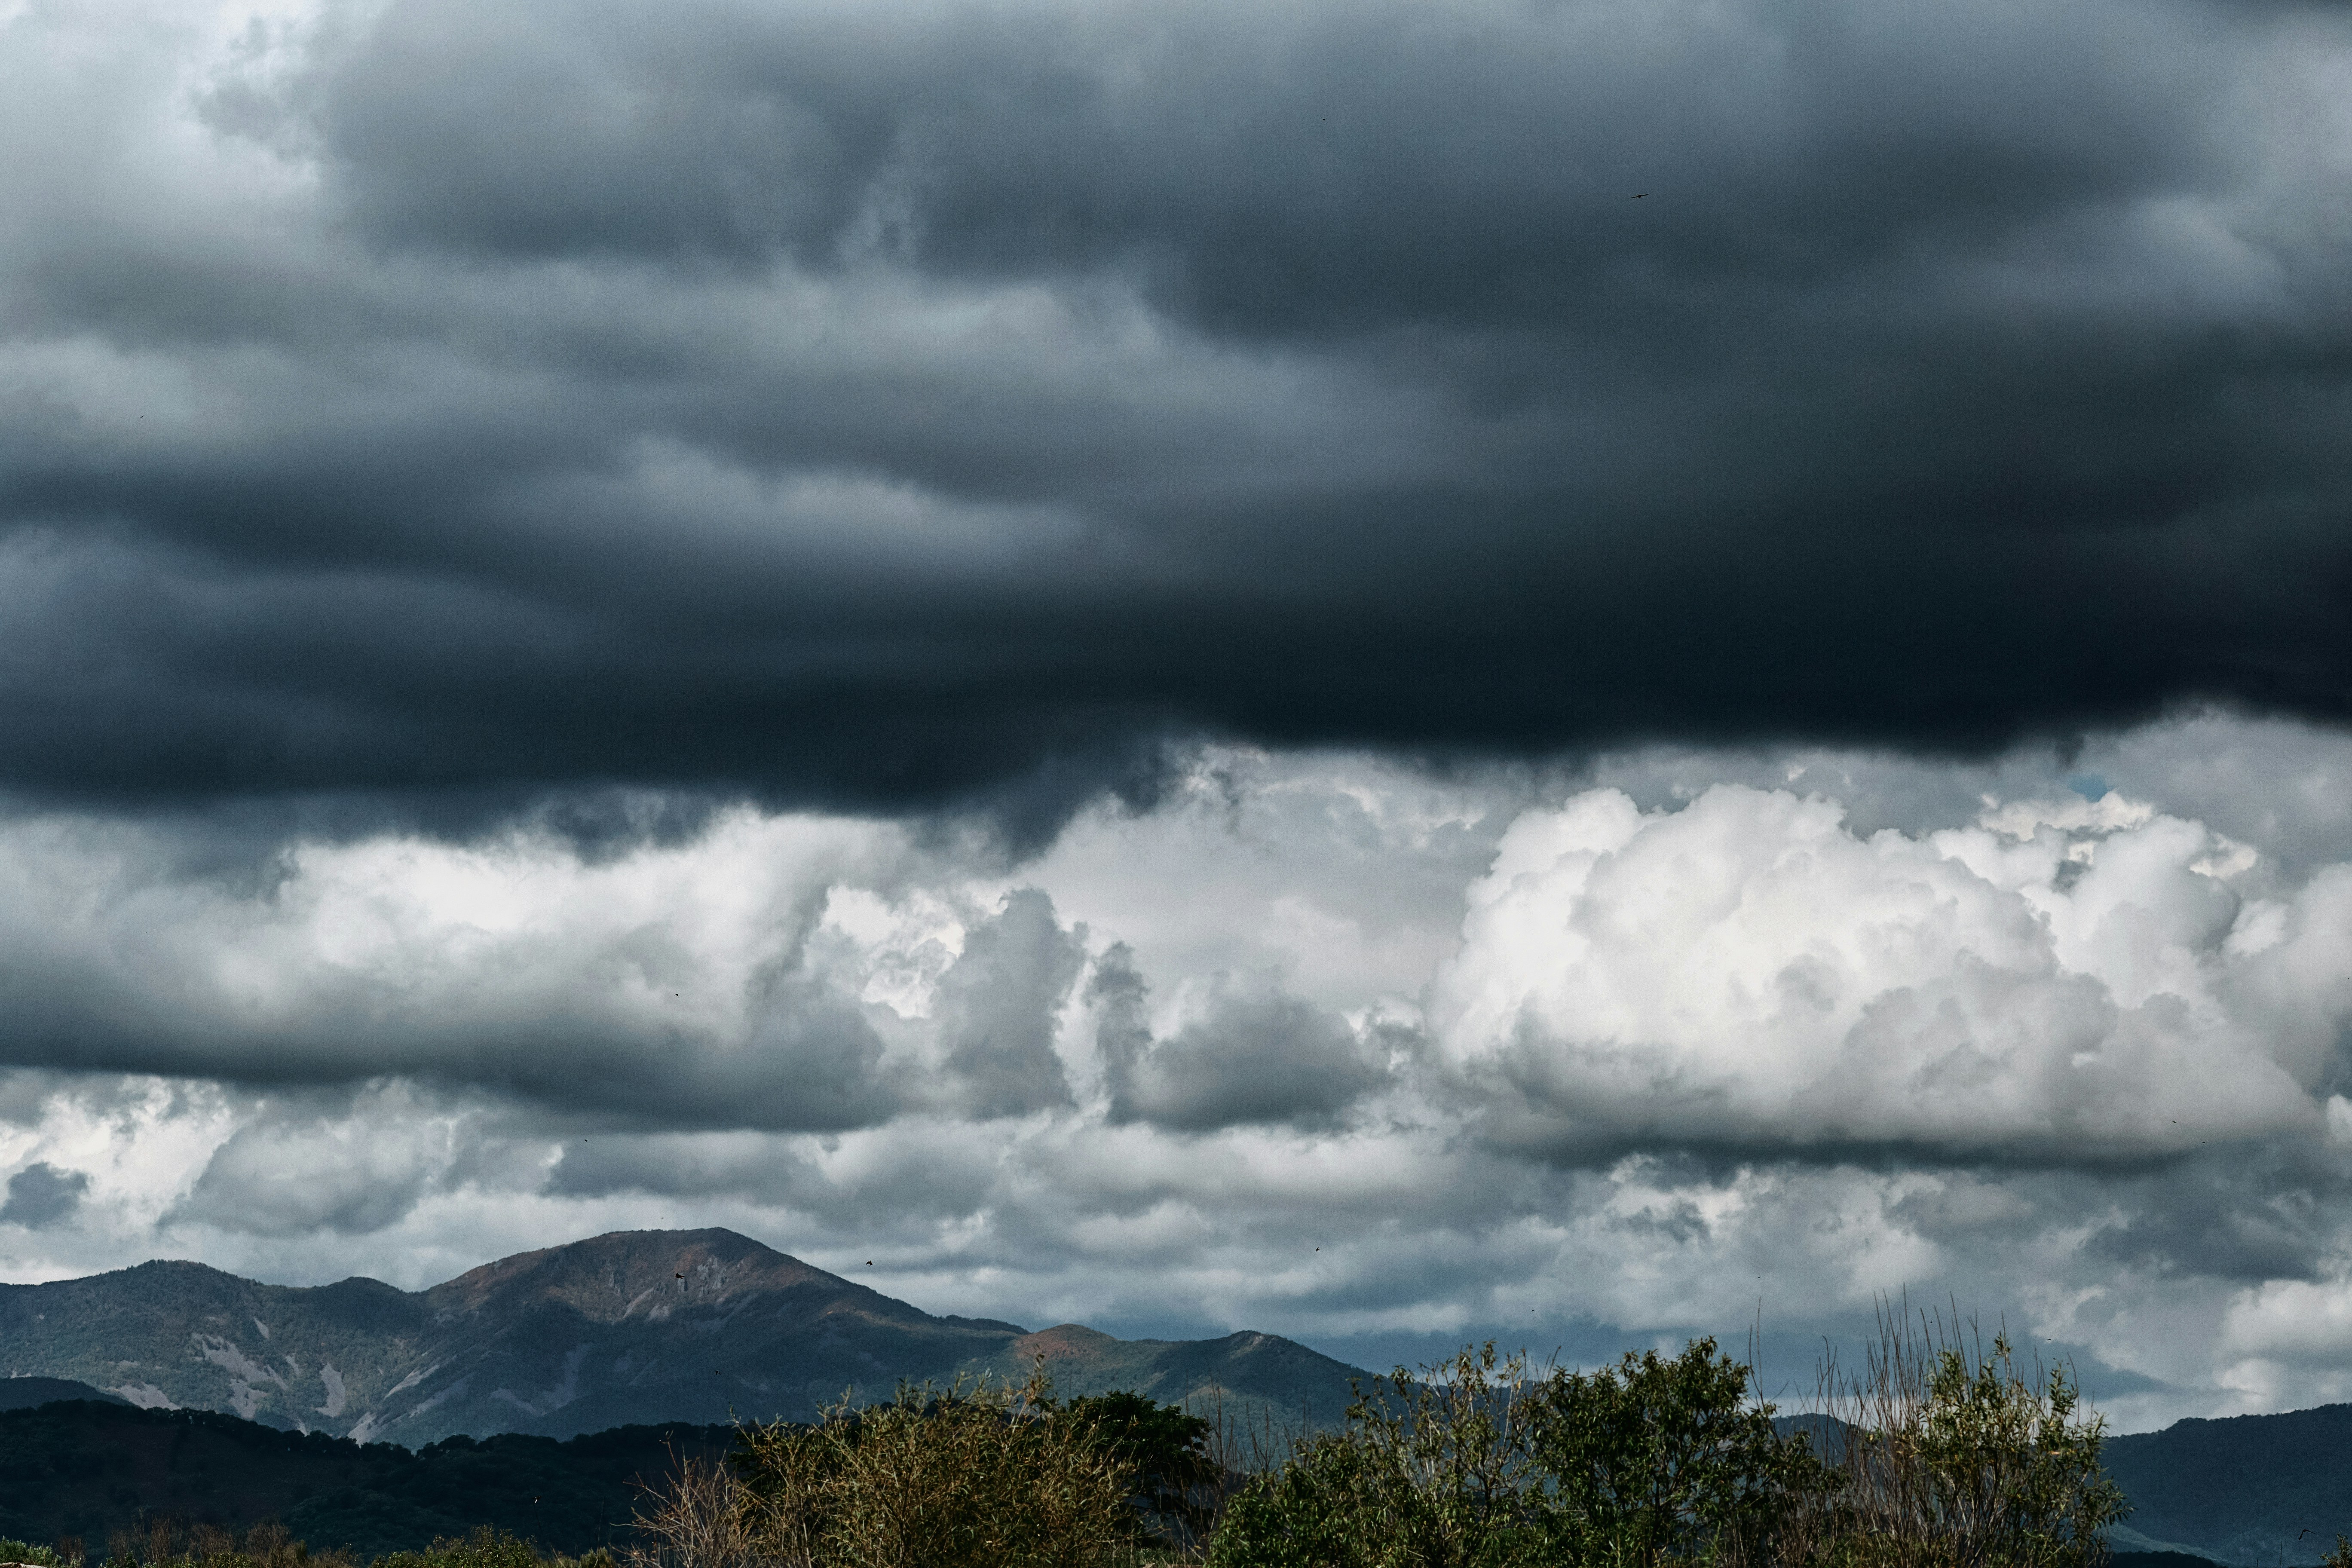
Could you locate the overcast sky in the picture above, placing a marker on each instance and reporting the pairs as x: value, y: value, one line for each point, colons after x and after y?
x: 1640, y: 666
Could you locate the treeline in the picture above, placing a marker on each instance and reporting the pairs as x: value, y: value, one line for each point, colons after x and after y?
x: 1938, y: 1454
x: 1940, y: 1459
x: 84, y: 1472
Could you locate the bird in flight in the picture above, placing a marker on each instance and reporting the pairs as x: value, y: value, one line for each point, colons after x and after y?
x: 1638, y: 195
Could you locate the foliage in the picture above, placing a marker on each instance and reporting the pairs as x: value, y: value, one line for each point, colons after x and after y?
x: 979, y: 1476
x: 90, y: 1469
x: 1949, y: 1461
x: 1165, y: 1450
x: 1478, y: 1464
x: 1957, y: 1459
x: 1431, y: 1471
x: 1661, y: 1460
x: 167, y: 1543
x: 481, y: 1548
x: 1941, y: 1455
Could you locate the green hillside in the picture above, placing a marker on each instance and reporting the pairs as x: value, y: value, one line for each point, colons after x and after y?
x: 84, y: 1469
x: 2251, y: 1489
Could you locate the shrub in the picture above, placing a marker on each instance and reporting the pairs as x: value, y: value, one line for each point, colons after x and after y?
x: 1165, y: 1450
x: 1432, y: 1470
x: 484, y: 1548
x: 702, y: 1520
x: 1956, y: 1457
x: 166, y: 1542
x: 1938, y: 1460
x: 1476, y: 1465
x: 982, y: 1476
x: 1659, y: 1461
x: 163, y: 1541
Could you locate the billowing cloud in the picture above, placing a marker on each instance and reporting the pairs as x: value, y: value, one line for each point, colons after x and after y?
x: 1252, y: 1053
x: 1322, y: 1044
x: 1003, y: 992
x: 2060, y: 980
x: 516, y: 964
x: 292, y: 1174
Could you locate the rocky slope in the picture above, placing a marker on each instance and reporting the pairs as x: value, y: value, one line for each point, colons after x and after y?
x: 634, y: 1327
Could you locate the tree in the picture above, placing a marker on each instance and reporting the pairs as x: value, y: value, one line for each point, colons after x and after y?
x: 1431, y: 1471
x: 1660, y: 1460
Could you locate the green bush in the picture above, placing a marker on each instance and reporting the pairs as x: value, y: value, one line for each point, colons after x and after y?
x: 166, y: 1542
x: 1164, y: 1451
x: 1478, y: 1464
x: 1940, y: 1459
x: 973, y: 1476
x: 483, y: 1548
x: 1430, y: 1470
x: 1961, y: 1460
x: 1666, y: 1461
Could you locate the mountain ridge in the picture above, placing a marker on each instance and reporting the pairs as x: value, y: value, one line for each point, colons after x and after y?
x: 627, y: 1328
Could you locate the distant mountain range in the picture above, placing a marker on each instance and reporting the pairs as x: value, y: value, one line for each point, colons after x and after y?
x: 702, y: 1328
x: 633, y: 1328
x: 2248, y: 1489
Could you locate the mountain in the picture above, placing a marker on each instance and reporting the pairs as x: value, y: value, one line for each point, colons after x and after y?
x: 87, y: 1469
x: 635, y: 1327
x: 2244, y: 1490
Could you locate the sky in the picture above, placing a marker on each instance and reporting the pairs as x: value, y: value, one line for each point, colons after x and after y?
x: 1576, y: 670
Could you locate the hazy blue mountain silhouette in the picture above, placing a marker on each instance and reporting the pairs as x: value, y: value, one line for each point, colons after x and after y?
x: 2252, y: 1489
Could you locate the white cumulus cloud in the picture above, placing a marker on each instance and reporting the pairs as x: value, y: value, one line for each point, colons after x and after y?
x: 2078, y: 981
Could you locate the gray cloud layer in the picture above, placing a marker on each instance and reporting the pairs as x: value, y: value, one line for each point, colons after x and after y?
x: 41, y: 1196
x: 1321, y: 1044
x: 529, y: 532
x: 874, y: 408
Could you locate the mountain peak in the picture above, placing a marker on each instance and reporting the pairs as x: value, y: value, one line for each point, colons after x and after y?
x: 608, y: 1278
x: 699, y: 1326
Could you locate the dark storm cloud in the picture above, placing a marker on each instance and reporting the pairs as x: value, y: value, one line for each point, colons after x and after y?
x: 2257, y: 1215
x: 880, y: 408
x: 41, y: 1195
